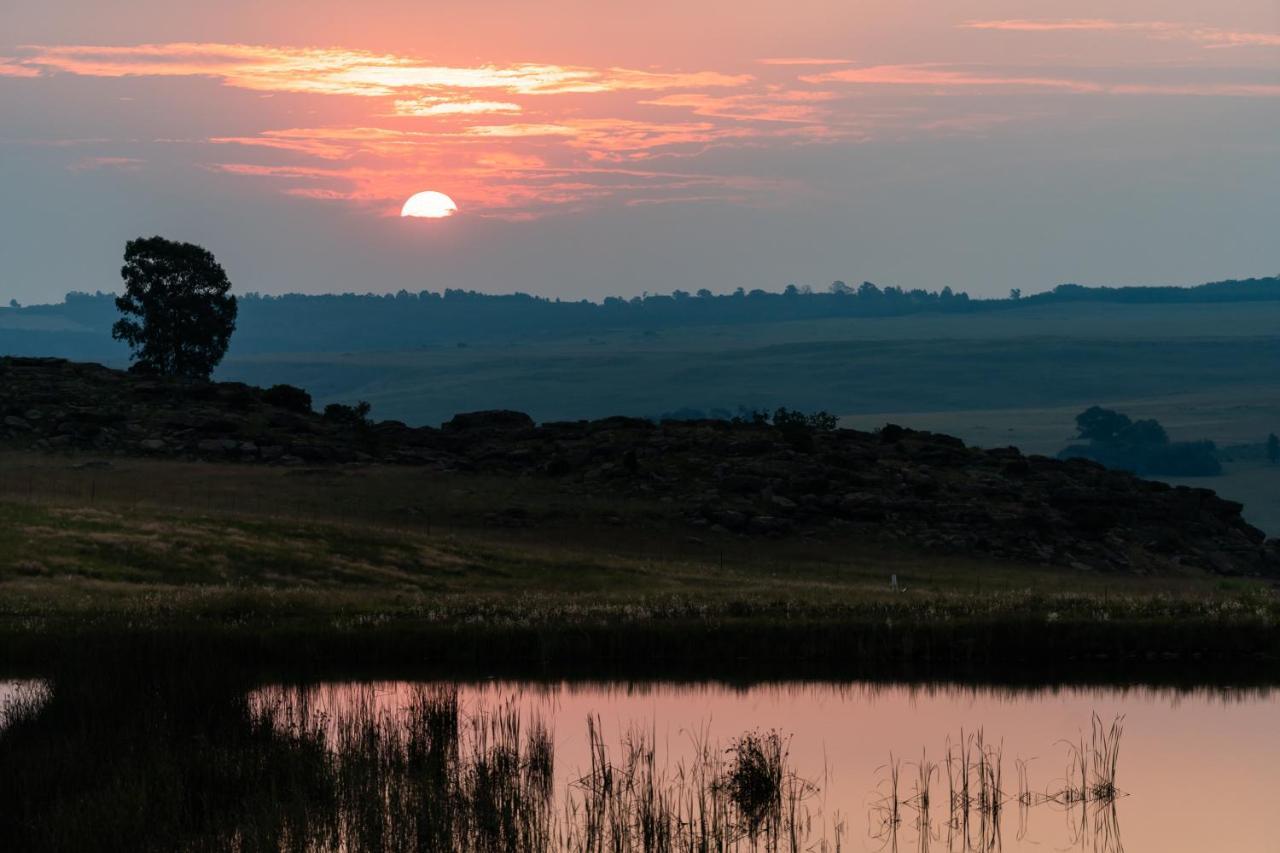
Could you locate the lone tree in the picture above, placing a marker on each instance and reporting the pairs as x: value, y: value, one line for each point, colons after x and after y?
x: 178, y: 315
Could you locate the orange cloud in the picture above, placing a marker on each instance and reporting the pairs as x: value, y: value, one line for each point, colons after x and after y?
x: 435, y: 106
x: 337, y: 71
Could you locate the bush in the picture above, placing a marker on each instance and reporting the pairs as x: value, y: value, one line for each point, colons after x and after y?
x: 357, y: 415
x: 755, y: 776
x: 288, y: 397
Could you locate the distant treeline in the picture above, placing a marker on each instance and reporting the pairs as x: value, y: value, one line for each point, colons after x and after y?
x: 405, y: 320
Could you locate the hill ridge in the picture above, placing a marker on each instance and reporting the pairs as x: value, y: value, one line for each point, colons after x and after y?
x: 920, y: 489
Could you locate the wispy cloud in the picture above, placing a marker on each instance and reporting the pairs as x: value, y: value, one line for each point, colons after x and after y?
x: 934, y: 76
x: 1070, y: 24
x: 522, y: 140
x: 437, y: 106
x: 338, y: 71
x: 123, y: 164
x: 503, y: 189
x: 798, y: 106
x: 10, y: 67
x: 939, y: 78
x: 802, y: 60
x: 1204, y: 35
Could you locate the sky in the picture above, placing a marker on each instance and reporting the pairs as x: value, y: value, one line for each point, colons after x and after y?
x: 600, y: 149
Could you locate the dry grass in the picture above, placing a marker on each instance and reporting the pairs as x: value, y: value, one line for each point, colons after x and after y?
x: 126, y: 549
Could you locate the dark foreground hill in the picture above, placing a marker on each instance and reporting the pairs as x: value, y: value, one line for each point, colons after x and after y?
x: 922, y: 489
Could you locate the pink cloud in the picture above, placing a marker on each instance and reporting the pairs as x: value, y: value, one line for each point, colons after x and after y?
x: 1071, y: 24
x: 933, y: 76
x: 802, y: 60
x: 10, y: 68
x: 940, y: 78
x: 1206, y: 36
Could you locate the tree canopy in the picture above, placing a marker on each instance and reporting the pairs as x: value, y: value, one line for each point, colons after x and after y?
x: 178, y: 316
x: 1140, y: 446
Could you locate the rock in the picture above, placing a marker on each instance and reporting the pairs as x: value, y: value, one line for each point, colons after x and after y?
x: 730, y: 520
x: 769, y: 524
x: 782, y: 504
x: 862, y: 506
x: 217, y: 445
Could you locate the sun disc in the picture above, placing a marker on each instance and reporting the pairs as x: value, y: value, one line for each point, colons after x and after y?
x: 429, y: 205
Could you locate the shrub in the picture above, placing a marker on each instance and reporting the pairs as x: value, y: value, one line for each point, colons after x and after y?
x: 288, y: 397
x: 357, y: 415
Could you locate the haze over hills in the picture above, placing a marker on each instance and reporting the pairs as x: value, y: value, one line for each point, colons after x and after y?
x: 80, y: 325
x: 1203, y: 361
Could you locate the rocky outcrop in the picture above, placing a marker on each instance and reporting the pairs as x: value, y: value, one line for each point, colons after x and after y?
x: 924, y: 489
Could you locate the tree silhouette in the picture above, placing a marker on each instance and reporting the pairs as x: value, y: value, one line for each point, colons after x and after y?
x: 1101, y: 425
x: 1273, y: 448
x: 178, y: 294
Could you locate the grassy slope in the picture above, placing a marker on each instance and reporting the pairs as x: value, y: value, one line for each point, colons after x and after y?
x: 1032, y: 357
x: 332, y: 564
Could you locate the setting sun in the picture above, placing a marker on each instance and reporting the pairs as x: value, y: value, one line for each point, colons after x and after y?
x: 429, y: 205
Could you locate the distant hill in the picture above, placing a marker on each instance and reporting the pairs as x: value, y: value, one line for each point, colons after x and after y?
x: 80, y: 326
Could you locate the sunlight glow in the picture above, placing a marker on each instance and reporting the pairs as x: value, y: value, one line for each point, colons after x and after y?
x: 429, y: 205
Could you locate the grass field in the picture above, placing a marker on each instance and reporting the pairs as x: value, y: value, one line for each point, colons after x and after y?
x: 326, y: 565
x: 1022, y: 358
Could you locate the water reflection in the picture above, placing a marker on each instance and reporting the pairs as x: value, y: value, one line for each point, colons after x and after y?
x: 630, y: 762
x: 977, y: 798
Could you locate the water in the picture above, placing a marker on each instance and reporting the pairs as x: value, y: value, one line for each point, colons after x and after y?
x: 1197, y: 770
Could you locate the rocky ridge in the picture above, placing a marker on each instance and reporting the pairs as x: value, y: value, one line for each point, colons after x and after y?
x: 927, y: 489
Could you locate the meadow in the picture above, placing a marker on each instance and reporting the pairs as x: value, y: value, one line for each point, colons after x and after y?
x: 1034, y: 357
x: 345, y: 566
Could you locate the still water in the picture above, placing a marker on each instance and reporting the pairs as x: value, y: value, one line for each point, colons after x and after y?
x: 1196, y: 770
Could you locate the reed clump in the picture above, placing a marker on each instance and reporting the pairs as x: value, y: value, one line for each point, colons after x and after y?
x: 974, y: 771
x: 745, y: 797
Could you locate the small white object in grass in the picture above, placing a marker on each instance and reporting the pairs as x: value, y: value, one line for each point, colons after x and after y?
x: 893, y: 582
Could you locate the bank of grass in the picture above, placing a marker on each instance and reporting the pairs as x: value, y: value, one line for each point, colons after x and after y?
x: 98, y: 557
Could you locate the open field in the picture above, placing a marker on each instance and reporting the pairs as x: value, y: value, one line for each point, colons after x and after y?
x: 1038, y: 358
x: 333, y: 565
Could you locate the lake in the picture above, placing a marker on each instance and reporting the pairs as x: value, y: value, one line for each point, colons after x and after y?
x: 1195, y: 770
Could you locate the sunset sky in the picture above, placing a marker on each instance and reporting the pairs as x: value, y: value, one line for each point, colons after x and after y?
x: 598, y: 149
